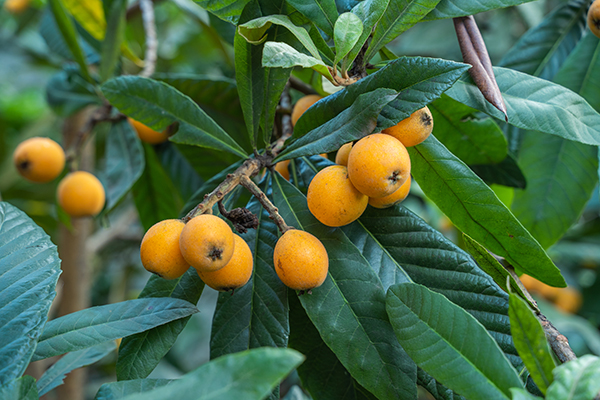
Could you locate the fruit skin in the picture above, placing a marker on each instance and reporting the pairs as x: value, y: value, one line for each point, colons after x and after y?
x: 282, y: 168
x: 16, y: 6
x: 147, y: 134
x: 341, y: 158
x: 207, y: 243
x: 593, y: 18
x: 160, y: 251
x: 39, y: 159
x: 378, y: 165
x: 236, y: 273
x: 414, y: 129
x: 300, y: 260
x: 302, y: 105
x: 332, y: 198
x: 81, y: 194
x: 392, y: 199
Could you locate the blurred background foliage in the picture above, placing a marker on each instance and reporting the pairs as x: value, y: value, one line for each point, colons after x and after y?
x: 193, y: 42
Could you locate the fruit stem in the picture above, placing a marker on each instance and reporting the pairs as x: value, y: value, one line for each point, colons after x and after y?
x: 249, y: 184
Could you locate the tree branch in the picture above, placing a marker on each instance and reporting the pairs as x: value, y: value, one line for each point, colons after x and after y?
x: 147, y: 8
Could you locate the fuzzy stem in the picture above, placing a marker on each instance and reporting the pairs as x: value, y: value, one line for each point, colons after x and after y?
x: 249, y: 184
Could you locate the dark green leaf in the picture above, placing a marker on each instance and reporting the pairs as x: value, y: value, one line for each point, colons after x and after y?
x: 56, y: 43
x: 473, y: 139
x: 462, y: 8
x: 118, y: 390
x: 535, y: 104
x: 576, y: 380
x: 369, y: 12
x: 474, y: 208
x: 506, y: 173
x: 228, y: 10
x: 155, y: 197
x: 321, y: 12
x: 158, y: 105
x: 29, y: 266
x: 95, y: 325
x: 418, y: 81
x: 139, y: 354
x: 436, y: 389
x: 353, y: 123
x: 348, y: 29
x: 56, y: 374
x: 19, y: 389
x: 182, y: 174
x: 115, y: 34
x: 67, y: 92
x: 399, y: 16
x: 124, y: 161
x: 350, y: 300
x: 449, y: 343
x: 249, y: 375
x: 531, y: 343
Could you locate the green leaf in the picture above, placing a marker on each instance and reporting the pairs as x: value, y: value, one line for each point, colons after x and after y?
x: 55, y: 375
x: 154, y: 194
x: 322, y: 13
x: 491, y: 266
x: 531, y: 343
x: 29, y: 266
x: 542, y: 49
x: 576, y: 380
x: 506, y: 173
x: 369, y: 12
x: 353, y: 123
x: 89, y: 14
x: 461, y: 8
x: 67, y: 29
x: 139, y: 354
x: 282, y: 55
x: 449, y: 343
x: 350, y: 300
x: 115, y: 34
x: 474, y: 208
x: 399, y: 16
x: 182, y: 174
x: 95, y: 325
x: 535, y: 104
x: 473, y: 139
x: 418, y: 81
x: 20, y: 389
x: 228, y: 10
x: 124, y: 161
x: 249, y: 375
x: 348, y: 29
x: 67, y: 92
x: 118, y: 390
x: 157, y: 105
x: 522, y: 394
x: 261, y: 306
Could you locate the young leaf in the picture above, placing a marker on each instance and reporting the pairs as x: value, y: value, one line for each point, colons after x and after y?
x: 29, y: 266
x: 531, y: 343
x: 535, y: 104
x: 578, y: 379
x: 22, y: 389
x: 448, y: 343
x: 157, y: 105
x: 248, y: 375
x: 461, y: 8
x: 282, y: 55
x: 95, y: 325
x: 124, y: 161
x: 55, y: 375
x: 474, y: 209
x: 118, y: 390
x: 399, y: 16
x: 111, y: 46
x: 322, y: 13
x: 369, y: 12
x: 347, y: 31
x: 139, y: 354
x: 351, y: 300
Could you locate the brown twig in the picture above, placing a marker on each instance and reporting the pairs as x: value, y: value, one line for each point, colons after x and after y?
x: 147, y: 8
x: 249, y: 184
x: 300, y: 86
x: 475, y: 53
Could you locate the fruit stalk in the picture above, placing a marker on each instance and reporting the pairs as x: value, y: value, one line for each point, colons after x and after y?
x: 249, y: 184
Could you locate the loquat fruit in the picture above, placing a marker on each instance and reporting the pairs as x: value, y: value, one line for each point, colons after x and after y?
x: 414, y: 129
x: 207, y: 242
x: 392, y: 199
x: 236, y: 273
x: 300, y: 260
x: 81, y: 194
x: 39, y: 159
x: 160, y: 251
x: 16, y: 6
x: 341, y: 158
x: 593, y: 18
x: 378, y: 165
x: 282, y: 168
x: 332, y: 198
x: 568, y: 300
x: 147, y: 134
x: 302, y: 105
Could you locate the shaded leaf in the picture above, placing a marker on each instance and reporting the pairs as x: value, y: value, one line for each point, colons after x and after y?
x: 20, y: 389
x: 506, y: 173
x: 461, y: 8
x: 322, y: 13
x: 111, y: 46
x: 181, y: 172
x: 118, y: 390
x: 67, y: 92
